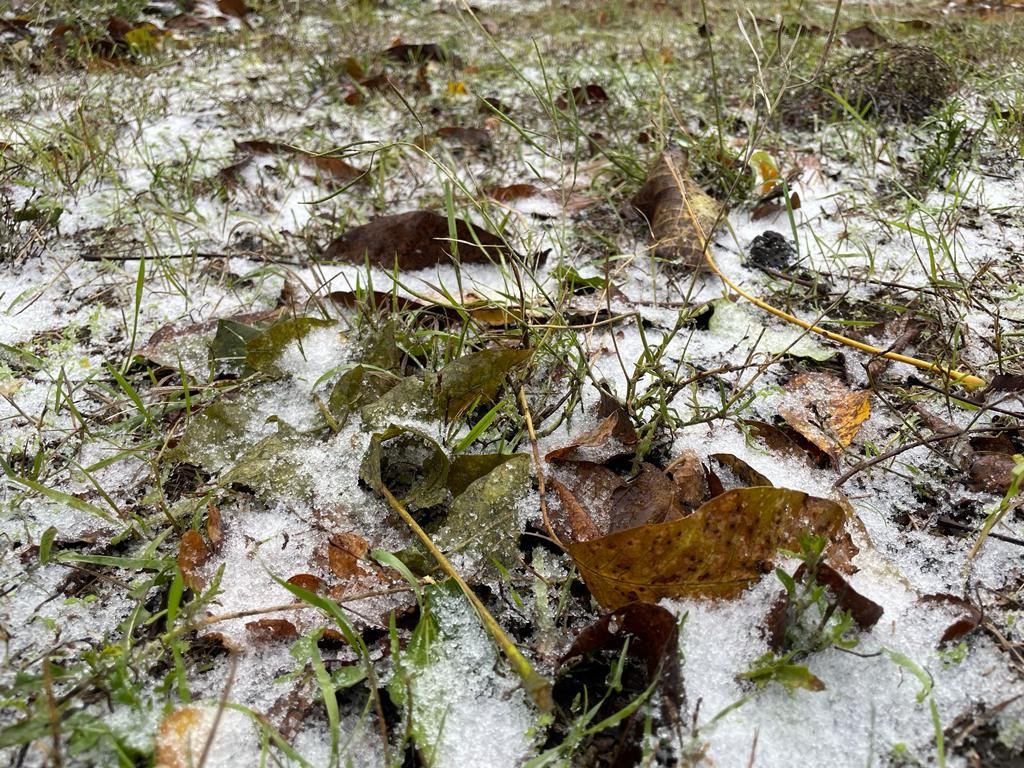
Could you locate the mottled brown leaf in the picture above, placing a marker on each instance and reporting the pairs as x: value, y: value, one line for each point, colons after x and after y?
x: 825, y: 411
x: 691, y: 480
x: 344, y: 553
x: 192, y: 556
x: 679, y: 213
x: 719, y: 550
x: 265, y: 630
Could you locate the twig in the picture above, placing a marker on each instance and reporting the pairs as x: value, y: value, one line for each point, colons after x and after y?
x: 538, y: 467
x: 967, y: 380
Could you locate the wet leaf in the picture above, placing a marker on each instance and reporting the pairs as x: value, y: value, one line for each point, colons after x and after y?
x: 192, y: 556
x: 670, y: 201
x: 409, y: 464
x: 308, y: 582
x: 213, y: 437
x: 478, y: 376
x: 482, y: 523
x: 214, y: 529
x: 356, y: 388
x: 228, y: 348
x: 468, y: 468
x: 734, y: 322
x: 415, y: 240
x: 581, y: 526
x: 992, y: 472
x: 262, y: 351
x: 825, y: 411
x: 652, y: 631
x: 718, y: 551
x: 270, y: 468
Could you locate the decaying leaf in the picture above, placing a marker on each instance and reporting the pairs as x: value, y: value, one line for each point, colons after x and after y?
x: 825, y: 411
x: 745, y: 473
x: 653, y: 632
x: 612, y: 438
x: 345, y: 550
x: 179, y: 742
x: 409, y: 464
x: 415, y: 240
x: 266, y: 630
x: 719, y: 550
x: 192, y: 556
x: 263, y: 350
x: 688, y: 474
x: 325, y: 164
x: 672, y: 202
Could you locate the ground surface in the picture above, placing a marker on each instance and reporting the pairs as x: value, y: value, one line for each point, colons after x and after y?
x: 196, y: 390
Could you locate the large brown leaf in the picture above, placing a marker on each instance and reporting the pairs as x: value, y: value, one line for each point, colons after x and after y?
x: 825, y: 411
x: 718, y: 551
x: 672, y: 202
x: 414, y: 240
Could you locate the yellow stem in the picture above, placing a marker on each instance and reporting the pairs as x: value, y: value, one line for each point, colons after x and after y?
x: 967, y: 380
x: 538, y: 686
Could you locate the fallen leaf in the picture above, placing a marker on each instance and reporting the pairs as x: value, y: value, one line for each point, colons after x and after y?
x: 326, y: 164
x: 265, y: 630
x: 582, y: 96
x: 864, y: 611
x: 415, y: 240
x: 236, y: 8
x: 609, y: 440
x: 180, y: 738
x: 691, y: 480
x: 746, y: 474
x: 214, y: 529
x: 420, y: 53
x: 718, y: 551
x: 409, y: 464
x: 674, y: 206
x: 825, y: 411
x: 192, y: 556
x: 344, y: 553
x: 581, y: 526
x: 968, y: 619
x: 992, y: 473
x: 308, y: 582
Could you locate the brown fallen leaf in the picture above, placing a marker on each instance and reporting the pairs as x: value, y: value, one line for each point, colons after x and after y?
x: 718, y: 551
x: 308, y: 582
x: 265, y: 630
x: 345, y: 552
x: 326, y: 164
x: 214, y: 528
x: 179, y: 738
x: 414, y: 240
x: 745, y: 473
x: 991, y: 472
x: 968, y: 619
x: 192, y: 556
x: 863, y: 610
x: 670, y: 201
x: 825, y: 411
x: 652, y: 631
x: 582, y: 96
x: 688, y: 474
x: 236, y: 8
x: 581, y: 526
x: 614, y: 437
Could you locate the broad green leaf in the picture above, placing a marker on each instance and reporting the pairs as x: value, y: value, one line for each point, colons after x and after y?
x: 262, y: 351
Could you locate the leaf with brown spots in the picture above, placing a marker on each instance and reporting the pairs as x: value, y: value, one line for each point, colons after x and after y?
x: 718, y: 551
x: 415, y: 240
x: 825, y: 411
x: 672, y: 202
x: 192, y: 556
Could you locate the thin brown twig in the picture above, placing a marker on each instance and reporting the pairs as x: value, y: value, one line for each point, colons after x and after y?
x: 539, y: 468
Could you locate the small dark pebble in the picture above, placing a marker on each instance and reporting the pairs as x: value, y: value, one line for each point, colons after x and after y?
x: 772, y: 251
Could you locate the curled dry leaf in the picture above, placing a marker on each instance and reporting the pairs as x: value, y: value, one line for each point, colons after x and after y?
x: 745, y: 473
x: 678, y: 212
x: 718, y: 551
x: 192, y: 556
x: 614, y: 437
x: 825, y: 411
x: 688, y: 474
x: 415, y: 240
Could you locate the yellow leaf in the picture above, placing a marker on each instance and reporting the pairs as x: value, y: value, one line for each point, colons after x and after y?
x: 718, y: 551
x: 825, y: 411
x: 456, y: 88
